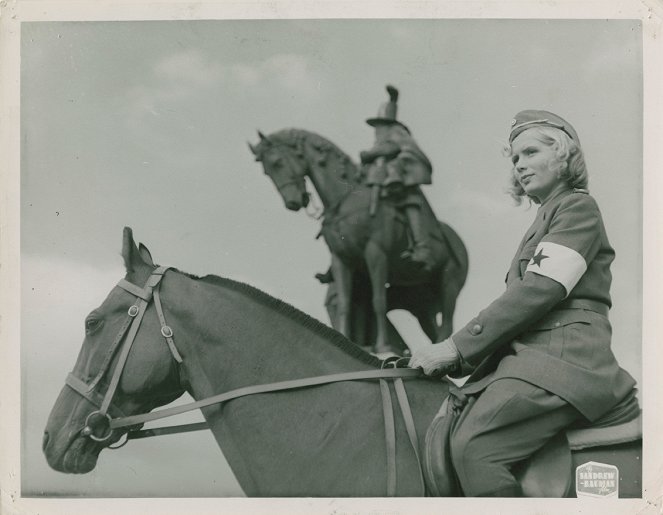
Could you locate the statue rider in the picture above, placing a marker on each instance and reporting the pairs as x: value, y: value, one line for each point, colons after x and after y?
x: 395, y: 167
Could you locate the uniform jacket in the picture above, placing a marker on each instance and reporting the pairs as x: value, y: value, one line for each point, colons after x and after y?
x: 401, y: 151
x: 550, y: 327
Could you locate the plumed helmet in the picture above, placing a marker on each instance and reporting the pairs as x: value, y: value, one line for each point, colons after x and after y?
x: 388, y: 110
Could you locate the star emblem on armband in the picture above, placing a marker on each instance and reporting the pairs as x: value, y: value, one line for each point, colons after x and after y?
x: 536, y: 260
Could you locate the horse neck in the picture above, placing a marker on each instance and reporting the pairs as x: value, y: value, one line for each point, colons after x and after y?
x: 232, y: 337
x: 235, y: 335
x: 331, y: 171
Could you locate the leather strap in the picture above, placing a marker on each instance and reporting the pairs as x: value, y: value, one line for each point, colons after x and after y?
x: 166, y: 331
x: 264, y: 388
x: 111, y: 352
x: 390, y: 437
x: 144, y: 295
x: 93, y: 397
x: 403, y: 402
x: 137, y: 291
x: 119, y: 368
x: 168, y: 430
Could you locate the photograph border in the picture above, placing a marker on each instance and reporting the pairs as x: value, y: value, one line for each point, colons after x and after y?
x: 14, y: 13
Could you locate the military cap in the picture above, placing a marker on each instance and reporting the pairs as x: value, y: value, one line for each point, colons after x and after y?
x: 532, y: 118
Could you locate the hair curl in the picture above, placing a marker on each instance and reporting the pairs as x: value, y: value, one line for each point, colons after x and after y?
x: 569, y: 161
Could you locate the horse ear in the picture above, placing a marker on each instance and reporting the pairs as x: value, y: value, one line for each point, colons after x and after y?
x: 264, y: 139
x: 129, y: 249
x: 254, y: 151
x: 145, y: 254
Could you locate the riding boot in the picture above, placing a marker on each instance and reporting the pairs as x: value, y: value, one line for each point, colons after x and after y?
x: 420, y: 253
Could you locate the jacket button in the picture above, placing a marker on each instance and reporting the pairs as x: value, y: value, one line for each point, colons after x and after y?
x: 557, y: 324
x: 476, y: 329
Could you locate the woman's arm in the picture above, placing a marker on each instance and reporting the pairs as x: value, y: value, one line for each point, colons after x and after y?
x: 572, y: 241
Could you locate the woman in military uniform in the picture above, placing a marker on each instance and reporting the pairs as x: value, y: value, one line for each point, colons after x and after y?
x: 541, y: 351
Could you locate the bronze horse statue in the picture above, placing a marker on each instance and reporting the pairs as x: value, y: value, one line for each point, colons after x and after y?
x: 366, y: 251
x: 297, y: 408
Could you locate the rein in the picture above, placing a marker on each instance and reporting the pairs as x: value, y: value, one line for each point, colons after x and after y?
x: 101, y: 418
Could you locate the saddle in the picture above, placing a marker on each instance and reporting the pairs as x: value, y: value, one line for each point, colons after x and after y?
x: 549, y: 472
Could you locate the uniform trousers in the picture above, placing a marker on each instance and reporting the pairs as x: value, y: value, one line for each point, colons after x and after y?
x: 508, y: 423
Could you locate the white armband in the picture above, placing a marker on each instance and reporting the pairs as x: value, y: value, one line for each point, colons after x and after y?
x: 560, y: 263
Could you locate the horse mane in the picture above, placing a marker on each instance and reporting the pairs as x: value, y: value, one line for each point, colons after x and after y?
x: 295, y: 139
x: 292, y: 312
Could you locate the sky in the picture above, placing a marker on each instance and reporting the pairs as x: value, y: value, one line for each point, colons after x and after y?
x: 146, y: 124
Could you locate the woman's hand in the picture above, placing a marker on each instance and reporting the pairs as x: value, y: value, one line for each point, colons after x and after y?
x: 440, y: 357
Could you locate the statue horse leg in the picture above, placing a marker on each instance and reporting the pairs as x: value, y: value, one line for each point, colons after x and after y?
x: 376, y: 260
x: 343, y: 279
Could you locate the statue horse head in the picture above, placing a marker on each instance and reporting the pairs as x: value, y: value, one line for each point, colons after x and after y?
x: 290, y: 155
x: 283, y: 162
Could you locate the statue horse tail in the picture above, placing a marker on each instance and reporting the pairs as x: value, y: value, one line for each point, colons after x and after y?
x: 457, y: 250
x: 452, y: 277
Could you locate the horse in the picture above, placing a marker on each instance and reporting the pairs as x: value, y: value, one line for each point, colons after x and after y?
x: 364, y: 244
x: 297, y: 409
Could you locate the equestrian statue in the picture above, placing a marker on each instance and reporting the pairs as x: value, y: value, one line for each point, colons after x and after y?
x: 388, y: 250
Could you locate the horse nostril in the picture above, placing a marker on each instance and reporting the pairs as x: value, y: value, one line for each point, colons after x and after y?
x: 44, y: 441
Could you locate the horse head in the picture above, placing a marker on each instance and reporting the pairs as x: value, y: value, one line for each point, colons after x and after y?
x: 104, y: 383
x: 285, y: 166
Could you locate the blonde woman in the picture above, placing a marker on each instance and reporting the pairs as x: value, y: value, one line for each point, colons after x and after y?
x: 541, y: 351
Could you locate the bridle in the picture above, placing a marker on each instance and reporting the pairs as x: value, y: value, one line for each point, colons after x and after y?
x: 296, y: 179
x: 101, y: 419
x: 128, y: 333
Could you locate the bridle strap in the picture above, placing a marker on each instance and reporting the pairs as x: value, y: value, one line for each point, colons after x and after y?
x: 111, y: 352
x: 263, y: 388
x: 92, y: 396
x: 137, y: 291
x: 145, y: 294
x: 119, y: 368
x: 166, y: 331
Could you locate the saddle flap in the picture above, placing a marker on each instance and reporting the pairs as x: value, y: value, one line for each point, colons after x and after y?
x: 601, y: 436
x: 439, y: 474
x: 438, y: 468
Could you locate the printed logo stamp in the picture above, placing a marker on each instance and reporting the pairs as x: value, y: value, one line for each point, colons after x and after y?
x: 597, y: 480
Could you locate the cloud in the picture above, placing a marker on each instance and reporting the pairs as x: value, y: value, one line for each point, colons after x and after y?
x: 191, y: 67
x: 289, y: 71
x: 187, y: 73
x: 180, y: 81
